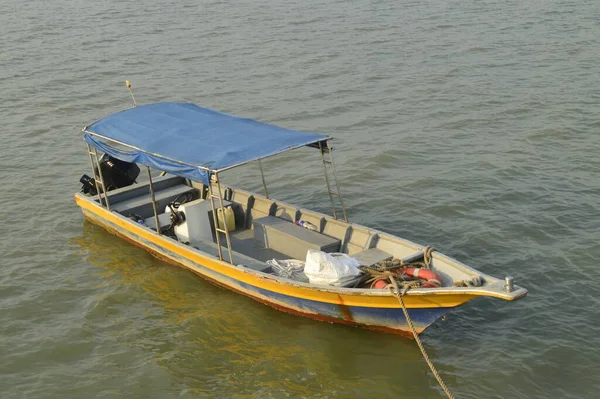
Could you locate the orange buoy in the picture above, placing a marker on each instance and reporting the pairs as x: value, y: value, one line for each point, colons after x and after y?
x: 434, y: 280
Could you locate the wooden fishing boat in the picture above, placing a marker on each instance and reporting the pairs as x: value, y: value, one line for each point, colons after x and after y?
x: 189, y: 217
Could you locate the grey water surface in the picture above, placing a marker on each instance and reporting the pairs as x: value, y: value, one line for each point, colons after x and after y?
x: 468, y: 125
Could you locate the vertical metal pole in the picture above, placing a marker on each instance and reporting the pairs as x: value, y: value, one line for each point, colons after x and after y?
x: 224, y: 221
x: 153, y: 201
x: 321, y: 149
x: 263, y: 178
x: 94, y: 174
x: 215, y: 217
x: 104, y: 189
x: 335, y: 180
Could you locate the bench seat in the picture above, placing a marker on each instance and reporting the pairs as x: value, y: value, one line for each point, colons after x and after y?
x: 135, y: 190
x: 164, y: 222
x: 142, y: 205
x: 371, y: 256
x: 290, y: 239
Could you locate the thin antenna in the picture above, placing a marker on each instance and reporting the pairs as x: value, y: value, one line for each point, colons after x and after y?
x: 128, y: 84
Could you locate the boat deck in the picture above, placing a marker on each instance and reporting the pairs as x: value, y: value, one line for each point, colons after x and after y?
x: 265, y: 229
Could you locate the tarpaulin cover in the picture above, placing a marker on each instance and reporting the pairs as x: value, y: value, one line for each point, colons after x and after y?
x: 186, y: 140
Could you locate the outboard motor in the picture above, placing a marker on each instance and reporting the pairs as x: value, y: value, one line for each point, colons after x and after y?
x: 116, y: 174
x: 88, y: 185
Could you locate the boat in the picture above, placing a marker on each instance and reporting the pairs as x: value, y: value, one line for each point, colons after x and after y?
x: 189, y: 217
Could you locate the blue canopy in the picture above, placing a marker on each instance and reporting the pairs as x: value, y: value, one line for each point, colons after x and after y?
x: 186, y: 140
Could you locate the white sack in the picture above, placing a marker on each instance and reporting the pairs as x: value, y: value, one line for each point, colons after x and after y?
x: 331, y: 268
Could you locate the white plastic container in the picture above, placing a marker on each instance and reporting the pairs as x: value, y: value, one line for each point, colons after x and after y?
x: 196, y: 226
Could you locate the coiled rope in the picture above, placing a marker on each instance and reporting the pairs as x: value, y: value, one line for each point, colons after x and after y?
x: 396, y: 290
x: 388, y: 270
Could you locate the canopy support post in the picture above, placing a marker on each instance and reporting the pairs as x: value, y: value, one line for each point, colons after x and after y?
x: 326, y: 149
x: 90, y: 153
x: 98, y: 176
x: 337, y: 186
x: 263, y: 179
x: 153, y: 200
x: 103, y: 184
x: 215, y: 212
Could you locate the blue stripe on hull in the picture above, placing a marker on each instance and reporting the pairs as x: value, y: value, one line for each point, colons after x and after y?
x: 392, y: 318
x: 383, y: 318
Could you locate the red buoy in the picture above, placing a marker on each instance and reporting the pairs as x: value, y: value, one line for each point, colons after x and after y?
x: 434, y: 280
x: 380, y: 284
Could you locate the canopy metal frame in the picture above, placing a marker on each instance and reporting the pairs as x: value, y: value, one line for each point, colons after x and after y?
x: 333, y: 189
x: 312, y: 143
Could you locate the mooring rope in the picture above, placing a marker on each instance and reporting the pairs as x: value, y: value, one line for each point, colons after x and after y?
x: 399, y: 295
x: 427, y: 256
